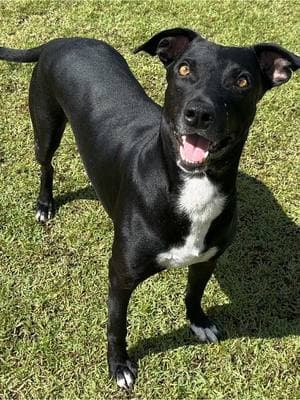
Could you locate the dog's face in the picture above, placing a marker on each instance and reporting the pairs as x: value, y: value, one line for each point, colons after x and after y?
x: 212, y: 92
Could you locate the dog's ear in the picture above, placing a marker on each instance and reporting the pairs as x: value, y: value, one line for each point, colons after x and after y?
x: 276, y: 63
x: 169, y: 44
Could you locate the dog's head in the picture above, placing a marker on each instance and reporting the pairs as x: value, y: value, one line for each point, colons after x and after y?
x: 212, y: 92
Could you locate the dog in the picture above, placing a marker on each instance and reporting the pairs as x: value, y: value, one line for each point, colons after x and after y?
x: 165, y: 175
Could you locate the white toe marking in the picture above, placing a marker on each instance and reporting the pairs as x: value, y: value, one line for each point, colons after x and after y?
x: 121, y: 382
x: 37, y: 215
x: 210, y: 335
x: 199, y: 332
x: 214, y: 329
x: 206, y: 334
x: 128, y: 378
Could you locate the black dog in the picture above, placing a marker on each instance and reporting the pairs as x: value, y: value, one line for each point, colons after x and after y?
x: 166, y: 176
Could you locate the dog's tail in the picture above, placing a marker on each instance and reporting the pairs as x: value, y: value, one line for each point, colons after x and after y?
x: 25, y: 56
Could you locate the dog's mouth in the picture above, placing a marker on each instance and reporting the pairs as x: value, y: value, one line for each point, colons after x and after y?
x: 195, y: 149
x: 193, y: 152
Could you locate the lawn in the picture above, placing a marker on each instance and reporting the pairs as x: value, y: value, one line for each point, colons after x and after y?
x: 53, y: 285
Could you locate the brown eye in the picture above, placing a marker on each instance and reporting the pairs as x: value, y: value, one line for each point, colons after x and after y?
x: 242, y: 82
x: 184, y: 70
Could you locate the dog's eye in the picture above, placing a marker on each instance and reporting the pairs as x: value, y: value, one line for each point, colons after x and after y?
x: 242, y: 82
x: 184, y: 70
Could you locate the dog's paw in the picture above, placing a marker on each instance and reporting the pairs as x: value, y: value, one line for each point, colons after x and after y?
x: 44, y: 211
x: 206, y: 331
x: 125, y: 374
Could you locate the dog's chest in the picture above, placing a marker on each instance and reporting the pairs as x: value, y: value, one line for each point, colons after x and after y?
x: 201, y: 201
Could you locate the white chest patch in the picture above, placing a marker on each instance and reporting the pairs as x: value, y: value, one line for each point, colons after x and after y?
x: 202, y: 202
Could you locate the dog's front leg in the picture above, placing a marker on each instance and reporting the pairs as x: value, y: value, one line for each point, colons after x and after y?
x: 121, y: 367
x: 201, y: 325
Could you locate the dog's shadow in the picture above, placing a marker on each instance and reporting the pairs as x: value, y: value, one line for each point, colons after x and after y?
x: 259, y: 273
x: 86, y: 193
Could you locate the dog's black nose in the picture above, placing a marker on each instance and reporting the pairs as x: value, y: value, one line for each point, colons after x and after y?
x: 199, y: 115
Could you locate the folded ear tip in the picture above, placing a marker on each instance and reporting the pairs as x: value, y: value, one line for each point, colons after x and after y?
x: 147, y: 47
x: 150, y: 46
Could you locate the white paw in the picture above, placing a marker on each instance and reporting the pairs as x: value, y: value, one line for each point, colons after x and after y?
x: 125, y: 380
x: 44, y: 213
x: 40, y: 216
x: 125, y: 375
x: 209, y: 334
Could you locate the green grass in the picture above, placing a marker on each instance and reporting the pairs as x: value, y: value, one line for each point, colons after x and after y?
x: 53, y: 283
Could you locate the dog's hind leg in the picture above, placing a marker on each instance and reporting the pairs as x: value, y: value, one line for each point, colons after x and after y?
x: 49, y: 122
x: 121, y: 367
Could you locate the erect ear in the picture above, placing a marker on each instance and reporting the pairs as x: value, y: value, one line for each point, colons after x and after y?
x: 276, y: 63
x: 169, y: 44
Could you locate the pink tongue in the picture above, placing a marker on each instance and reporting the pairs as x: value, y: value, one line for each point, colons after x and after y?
x: 194, y: 148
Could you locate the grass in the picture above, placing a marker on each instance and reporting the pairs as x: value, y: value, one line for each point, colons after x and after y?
x: 53, y: 279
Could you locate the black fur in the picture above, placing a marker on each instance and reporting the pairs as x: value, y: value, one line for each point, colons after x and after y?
x: 129, y: 146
